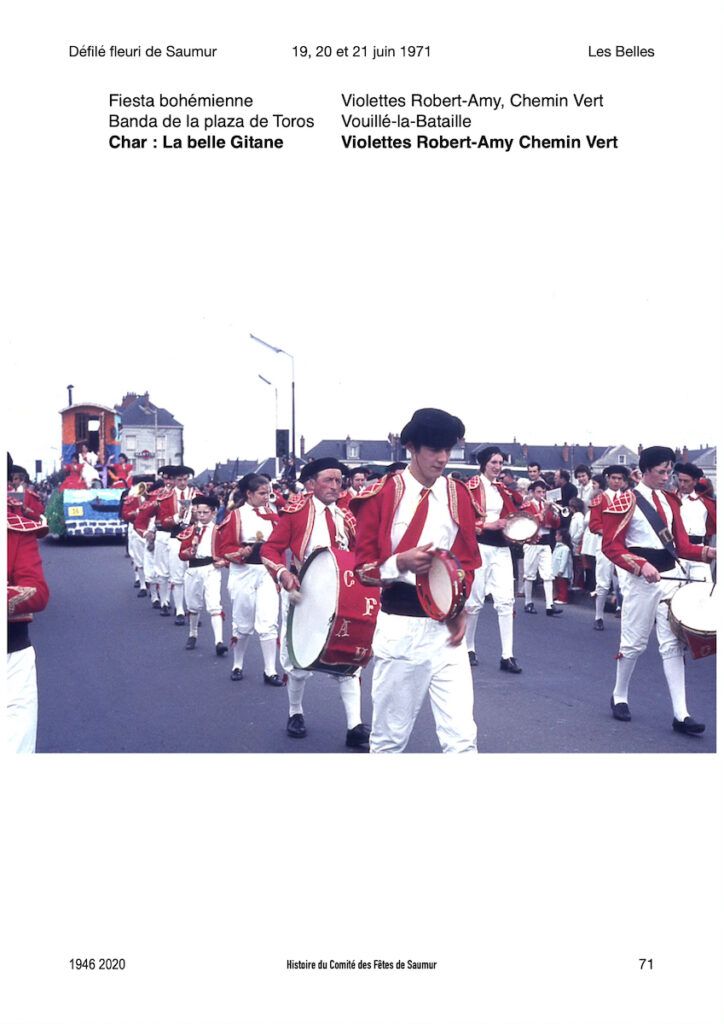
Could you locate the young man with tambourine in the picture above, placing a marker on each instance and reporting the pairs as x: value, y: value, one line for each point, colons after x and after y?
x: 407, y: 524
x: 643, y: 534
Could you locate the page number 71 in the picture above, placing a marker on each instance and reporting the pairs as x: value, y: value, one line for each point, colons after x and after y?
x: 644, y: 963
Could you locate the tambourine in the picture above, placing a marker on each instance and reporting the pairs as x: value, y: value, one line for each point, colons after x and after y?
x: 520, y: 528
x: 442, y: 590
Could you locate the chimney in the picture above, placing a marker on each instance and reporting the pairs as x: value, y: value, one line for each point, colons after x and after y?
x: 302, y: 446
x: 524, y: 449
x: 566, y: 453
x: 70, y: 393
x: 128, y: 399
x: 590, y: 452
x: 640, y: 448
x: 685, y: 454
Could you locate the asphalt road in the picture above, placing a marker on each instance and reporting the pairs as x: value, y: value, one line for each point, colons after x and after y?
x: 113, y: 676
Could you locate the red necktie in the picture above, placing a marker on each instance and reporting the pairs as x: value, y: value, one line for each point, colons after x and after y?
x: 659, y: 508
x: 411, y: 537
x: 331, y: 527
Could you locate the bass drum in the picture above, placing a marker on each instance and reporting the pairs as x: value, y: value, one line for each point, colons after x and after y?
x: 693, y: 618
x: 331, y: 625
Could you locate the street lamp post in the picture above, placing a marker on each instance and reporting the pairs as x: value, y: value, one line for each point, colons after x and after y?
x: 276, y: 419
x: 283, y: 352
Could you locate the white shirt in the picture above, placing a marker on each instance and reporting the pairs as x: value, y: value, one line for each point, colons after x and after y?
x: 640, y: 534
x: 319, y: 537
x: 438, y: 528
x: 693, y: 513
x: 253, y: 524
x: 204, y: 548
x: 493, y: 501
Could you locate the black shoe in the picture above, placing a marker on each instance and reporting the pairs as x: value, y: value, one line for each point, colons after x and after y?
x: 273, y: 680
x: 554, y: 611
x: 620, y: 711
x: 237, y: 675
x: 530, y: 608
x: 165, y: 610
x: 191, y: 643
x: 142, y: 593
x: 136, y: 584
x: 180, y: 619
x: 359, y: 737
x: 155, y: 604
x: 221, y: 650
x: 296, y: 727
x: 473, y: 659
x: 510, y: 665
x: 598, y: 624
x: 689, y: 726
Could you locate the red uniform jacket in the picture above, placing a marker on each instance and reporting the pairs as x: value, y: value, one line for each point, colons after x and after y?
x: 130, y: 508
x: 710, y: 506
x: 375, y: 510
x: 598, y: 503
x: 292, y: 532
x: 477, y: 493
x: 189, y: 542
x: 616, y: 517
x: 144, y: 516
x: 229, y: 539
x: 169, y: 505
x: 27, y: 589
x: 544, y: 513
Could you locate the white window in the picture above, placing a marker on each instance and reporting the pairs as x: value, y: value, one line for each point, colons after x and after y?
x: 622, y: 460
x: 458, y: 453
x: 129, y: 443
x: 353, y: 449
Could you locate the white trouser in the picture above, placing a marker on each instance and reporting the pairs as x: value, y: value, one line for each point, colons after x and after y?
x: 254, y: 601
x: 136, y: 548
x: 538, y: 559
x: 643, y: 606
x: 494, y: 576
x: 349, y: 687
x: 605, y: 575
x: 202, y: 588
x: 21, y: 698
x: 149, y: 564
x: 412, y: 658
x: 160, y: 556
x: 176, y: 566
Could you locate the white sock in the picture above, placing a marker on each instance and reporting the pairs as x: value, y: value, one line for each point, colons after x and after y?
x: 505, y: 626
x: 675, y: 677
x: 470, y: 630
x: 600, y: 605
x: 624, y: 671
x: 528, y: 588
x: 239, y: 648
x: 217, y: 625
x: 269, y: 654
x: 141, y: 578
x: 295, y: 692
x: 177, y: 593
x: 351, y: 692
x: 548, y: 591
x: 193, y: 623
x: 163, y: 591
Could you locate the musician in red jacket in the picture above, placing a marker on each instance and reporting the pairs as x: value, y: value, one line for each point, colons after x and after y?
x: 401, y: 520
x: 309, y: 521
x: 698, y: 513
x: 493, y: 503
x: 202, y: 579
x: 643, y: 534
x: 616, y: 479
x: 538, y: 556
x: 174, y: 514
x: 27, y: 594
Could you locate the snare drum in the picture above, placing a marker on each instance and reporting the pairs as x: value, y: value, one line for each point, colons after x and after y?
x: 520, y: 528
x: 330, y: 627
x: 692, y: 616
x: 442, y: 590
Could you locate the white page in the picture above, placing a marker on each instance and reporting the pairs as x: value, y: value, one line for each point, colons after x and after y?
x: 481, y: 280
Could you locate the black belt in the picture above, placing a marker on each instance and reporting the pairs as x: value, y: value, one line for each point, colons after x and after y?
x: 495, y: 538
x: 658, y: 557
x: 196, y: 563
x: 18, y: 636
x: 695, y: 539
x: 402, y: 599
x: 163, y: 529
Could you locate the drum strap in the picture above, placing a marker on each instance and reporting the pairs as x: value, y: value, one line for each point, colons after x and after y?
x: 656, y: 520
x: 412, y: 534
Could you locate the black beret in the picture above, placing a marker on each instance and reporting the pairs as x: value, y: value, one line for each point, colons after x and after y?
x: 681, y: 467
x: 206, y: 499
x: 433, y: 428
x: 623, y: 470
x: 654, y: 456
x: 485, y: 455
x: 317, y: 465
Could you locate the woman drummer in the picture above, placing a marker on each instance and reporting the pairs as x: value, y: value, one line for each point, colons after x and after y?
x: 253, y: 593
